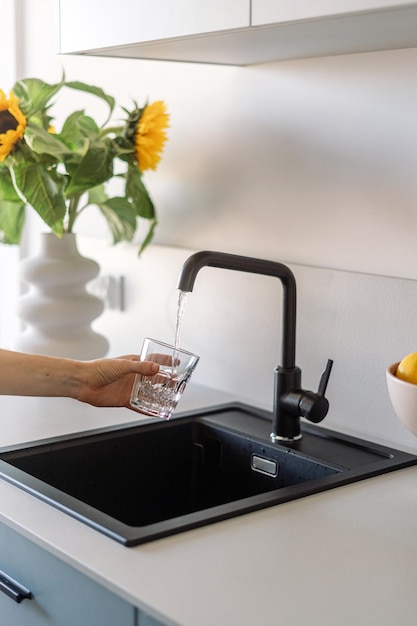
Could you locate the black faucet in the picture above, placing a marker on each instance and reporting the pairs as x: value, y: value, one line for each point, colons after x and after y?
x: 290, y: 401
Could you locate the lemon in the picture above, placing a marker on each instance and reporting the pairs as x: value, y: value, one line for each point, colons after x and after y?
x: 407, y: 369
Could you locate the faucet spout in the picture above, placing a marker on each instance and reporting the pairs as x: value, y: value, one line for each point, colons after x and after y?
x: 227, y: 261
x: 290, y: 400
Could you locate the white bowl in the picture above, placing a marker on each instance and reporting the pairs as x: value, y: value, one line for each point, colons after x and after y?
x: 403, y: 396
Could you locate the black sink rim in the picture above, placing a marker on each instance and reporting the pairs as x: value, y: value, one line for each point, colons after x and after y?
x: 391, y: 460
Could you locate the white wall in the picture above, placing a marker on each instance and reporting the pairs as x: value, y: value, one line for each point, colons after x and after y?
x: 311, y: 162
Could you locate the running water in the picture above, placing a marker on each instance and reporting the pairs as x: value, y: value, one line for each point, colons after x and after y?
x: 182, y: 299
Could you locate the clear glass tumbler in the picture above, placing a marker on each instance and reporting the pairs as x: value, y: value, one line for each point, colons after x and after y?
x: 158, y: 395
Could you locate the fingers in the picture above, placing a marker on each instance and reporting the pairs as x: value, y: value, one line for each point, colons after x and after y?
x: 105, y: 372
x: 147, y: 368
x: 131, y: 363
x: 130, y: 357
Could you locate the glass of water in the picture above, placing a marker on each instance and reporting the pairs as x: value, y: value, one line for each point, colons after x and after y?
x: 158, y: 395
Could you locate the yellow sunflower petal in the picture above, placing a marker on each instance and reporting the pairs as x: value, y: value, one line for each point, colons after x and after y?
x: 14, y: 122
x: 4, y: 103
x: 150, y: 135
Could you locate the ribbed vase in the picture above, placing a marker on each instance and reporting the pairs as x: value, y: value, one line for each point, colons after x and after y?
x: 57, y: 310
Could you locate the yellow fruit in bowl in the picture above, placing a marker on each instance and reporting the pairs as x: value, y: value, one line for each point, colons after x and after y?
x: 407, y: 369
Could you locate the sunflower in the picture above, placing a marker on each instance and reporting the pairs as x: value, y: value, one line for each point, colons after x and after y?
x: 59, y: 174
x: 150, y: 135
x: 12, y: 124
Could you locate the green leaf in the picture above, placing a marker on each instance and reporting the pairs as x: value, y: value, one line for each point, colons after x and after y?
x: 44, y: 190
x: 12, y: 219
x: 34, y: 94
x: 95, y: 91
x: 7, y: 191
x: 97, y: 195
x: 137, y: 192
x: 149, y: 236
x: 120, y: 218
x: 77, y: 128
x: 43, y: 142
x: 95, y: 167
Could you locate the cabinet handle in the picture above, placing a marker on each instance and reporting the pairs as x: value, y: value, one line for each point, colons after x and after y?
x: 13, y: 589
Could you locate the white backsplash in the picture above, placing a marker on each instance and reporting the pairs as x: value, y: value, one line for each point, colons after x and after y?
x: 233, y: 321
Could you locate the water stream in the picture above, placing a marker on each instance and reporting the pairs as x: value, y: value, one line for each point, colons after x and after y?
x: 182, y: 299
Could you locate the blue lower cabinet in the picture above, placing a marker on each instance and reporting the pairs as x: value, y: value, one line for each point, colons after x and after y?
x: 37, y: 589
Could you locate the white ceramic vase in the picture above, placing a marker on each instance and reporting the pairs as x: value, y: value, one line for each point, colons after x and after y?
x: 57, y: 311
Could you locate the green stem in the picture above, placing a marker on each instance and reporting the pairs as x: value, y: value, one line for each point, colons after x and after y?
x: 73, y: 211
x: 16, y: 188
x: 110, y: 129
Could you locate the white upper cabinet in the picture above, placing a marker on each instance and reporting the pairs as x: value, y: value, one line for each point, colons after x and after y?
x: 270, y: 11
x: 90, y: 24
x: 307, y: 28
x: 236, y: 32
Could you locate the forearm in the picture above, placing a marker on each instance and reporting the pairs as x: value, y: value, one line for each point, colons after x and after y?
x: 36, y: 375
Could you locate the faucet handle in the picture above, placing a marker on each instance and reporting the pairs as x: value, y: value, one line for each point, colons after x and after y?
x: 325, y: 378
x: 314, y: 406
x: 298, y: 402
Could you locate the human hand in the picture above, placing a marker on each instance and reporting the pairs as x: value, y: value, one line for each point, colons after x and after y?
x: 109, y: 382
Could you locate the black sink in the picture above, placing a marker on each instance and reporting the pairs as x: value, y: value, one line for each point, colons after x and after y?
x: 146, y: 481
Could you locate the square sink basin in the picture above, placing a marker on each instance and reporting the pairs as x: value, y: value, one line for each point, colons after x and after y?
x: 142, y: 482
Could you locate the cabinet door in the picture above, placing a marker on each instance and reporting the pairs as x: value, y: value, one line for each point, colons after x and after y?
x: 275, y: 11
x: 86, y: 25
x: 61, y: 596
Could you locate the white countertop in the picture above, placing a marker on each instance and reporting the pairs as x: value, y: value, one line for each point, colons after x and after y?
x: 345, y: 557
